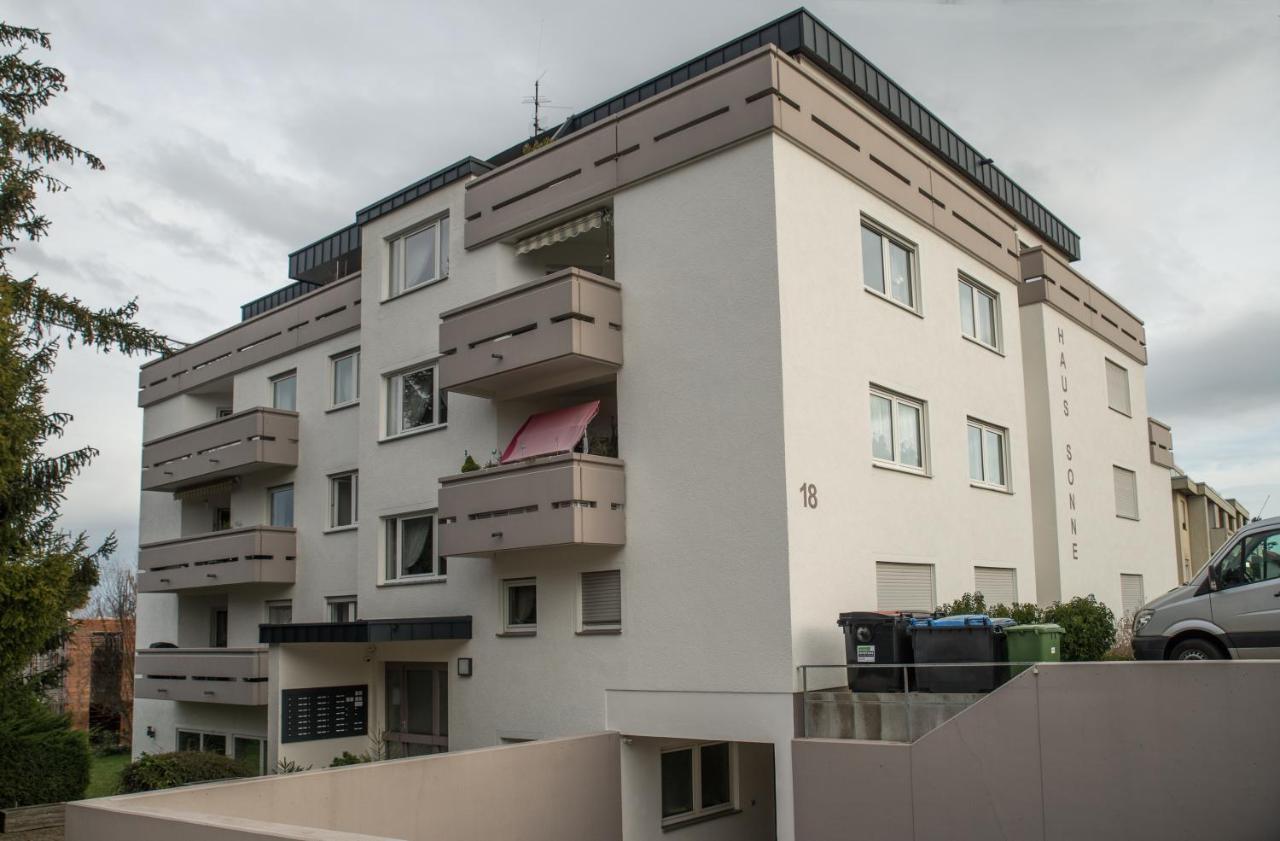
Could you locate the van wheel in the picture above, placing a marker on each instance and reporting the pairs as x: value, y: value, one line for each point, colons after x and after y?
x: 1195, y: 649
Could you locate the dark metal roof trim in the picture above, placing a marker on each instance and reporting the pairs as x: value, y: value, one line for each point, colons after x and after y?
x: 316, y: 263
x: 278, y: 298
x: 418, y: 189
x: 368, y: 630
x: 799, y: 32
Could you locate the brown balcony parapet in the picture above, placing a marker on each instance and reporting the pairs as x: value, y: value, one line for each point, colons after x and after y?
x: 561, y: 330
x: 559, y: 500
x: 205, y: 675
x: 254, y: 555
x: 242, y: 443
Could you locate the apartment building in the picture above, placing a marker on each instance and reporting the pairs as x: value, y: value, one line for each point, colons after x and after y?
x: 755, y: 342
x: 1203, y: 520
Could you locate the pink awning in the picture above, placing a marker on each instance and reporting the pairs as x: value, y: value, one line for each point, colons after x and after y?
x: 551, y: 432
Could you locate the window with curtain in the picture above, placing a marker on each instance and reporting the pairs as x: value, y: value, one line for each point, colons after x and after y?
x: 346, y: 378
x: 281, y: 500
x: 897, y: 430
x: 411, y: 547
x: 284, y: 391
x: 343, y: 500
x: 414, y: 401
x: 418, y: 257
x: 979, y: 314
x: 888, y: 266
x: 987, y: 455
x: 520, y: 605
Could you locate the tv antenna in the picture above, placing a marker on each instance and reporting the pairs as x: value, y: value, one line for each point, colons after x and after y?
x: 1258, y: 516
x: 540, y: 104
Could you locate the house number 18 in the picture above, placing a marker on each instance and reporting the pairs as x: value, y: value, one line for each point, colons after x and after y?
x: 809, y: 495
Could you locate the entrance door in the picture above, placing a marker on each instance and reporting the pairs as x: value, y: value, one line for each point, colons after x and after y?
x: 417, y: 721
x: 218, y: 633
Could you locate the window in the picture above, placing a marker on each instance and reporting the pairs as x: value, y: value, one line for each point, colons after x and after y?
x: 897, y: 430
x: 979, y: 314
x: 346, y: 378
x: 284, y: 391
x: 419, y: 257
x: 194, y: 740
x: 1131, y: 597
x: 602, y: 600
x: 1255, y: 558
x: 1126, y: 482
x: 520, y: 605
x: 344, y: 500
x: 411, y: 547
x: 987, y: 455
x: 221, y: 518
x: 251, y: 753
x: 1217, y: 515
x: 698, y: 781
x: 888, y: 267
x: 906, y: 587
x: 280, y: 612
x: 342, y: 608
x: 281, y: 506
x: 414, y: 401
x: 1118, y: 388
x: 998, y: 585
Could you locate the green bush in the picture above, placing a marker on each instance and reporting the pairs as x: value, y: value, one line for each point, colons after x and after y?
x: 349, y: 758
x: 1088, y: 627
x: 42, y: 760
x: 166, y: 770
x: 1024, y: 613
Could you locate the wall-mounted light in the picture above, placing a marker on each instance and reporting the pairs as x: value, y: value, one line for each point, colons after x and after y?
x: 151, y: 732
x: 464, y: 667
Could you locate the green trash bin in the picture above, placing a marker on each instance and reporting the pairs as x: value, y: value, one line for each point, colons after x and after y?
x: 1033, y: 644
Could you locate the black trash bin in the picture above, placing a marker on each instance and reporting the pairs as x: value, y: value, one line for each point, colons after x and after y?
x: 973, y: 638
x: 876, y: 639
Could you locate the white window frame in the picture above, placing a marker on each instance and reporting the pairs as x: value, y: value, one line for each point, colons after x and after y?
x: 913, y: 265
x: 598, y: 628
x: 508, y: 584
x: 1107, y: 365
x: 354, y: 476
x: 699, y: 812
x: 395, y: 256
x: 976, y: 290
x: 271, y: 507
x: 279, y: 378
x: 394, y: 403
x: 331, y: 602
x: 354, y: 355
x: 395, y: 521
x: 270, y: 604
x: 1137, y: 510
x: 983, y: 428
x: 922, y: 406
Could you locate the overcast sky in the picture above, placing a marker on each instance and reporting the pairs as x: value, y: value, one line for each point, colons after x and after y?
x: 236, y: 132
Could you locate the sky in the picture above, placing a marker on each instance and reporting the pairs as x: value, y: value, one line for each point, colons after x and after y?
x: 236, y: 132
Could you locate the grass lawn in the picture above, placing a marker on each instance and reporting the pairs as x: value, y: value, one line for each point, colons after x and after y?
x: 104, y: 774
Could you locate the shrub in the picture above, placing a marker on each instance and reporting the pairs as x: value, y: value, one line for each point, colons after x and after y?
x: 468, y: 463
x: 1024, y: 613
x: 288, y: 766
x: 349, y: 758
x: 42, y: 760
x: 1088, y: 627
x: 166, y: 770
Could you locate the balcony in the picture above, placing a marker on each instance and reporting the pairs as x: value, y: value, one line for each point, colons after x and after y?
x: 205, y: 675
x: 562, y: 330
x: 248, y: 441
x: 256, y: 555
x: 560, y: 500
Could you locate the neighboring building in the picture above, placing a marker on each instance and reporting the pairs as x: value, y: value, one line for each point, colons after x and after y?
x: 806, y: 337
x: 96, y: 690
x: 1203, y: 520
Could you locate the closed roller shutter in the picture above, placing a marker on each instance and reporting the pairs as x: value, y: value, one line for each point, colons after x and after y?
x: 602, y: 599
x: 905, y: 587
x: 998, y: 585
x: 1131, y: 597
x: 1118, y: 388
x: 1126, y: 493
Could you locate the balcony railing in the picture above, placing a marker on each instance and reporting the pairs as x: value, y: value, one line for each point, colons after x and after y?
x: 562, y: 330
x: 255, y: 555
x: 556, y: 500
x: 242, y: 443
x: 206, y: 675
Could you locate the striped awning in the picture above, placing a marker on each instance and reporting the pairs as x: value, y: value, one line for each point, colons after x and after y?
x: 560, y: 233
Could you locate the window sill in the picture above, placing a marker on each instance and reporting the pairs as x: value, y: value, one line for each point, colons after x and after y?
x: 681, y: 824
x: 898, y: 468
x: 341, y: 529
x: 889, y: 299
x: 414, y: 579
x: 993, y: 488
x: 342, y: 406
x: 516, y: 634
x: 598, y: 632
x: 997, y: 351
x: 413, y: 289
x: 412, y: 432
x: 1120, y: 411
x: 1127, y: 517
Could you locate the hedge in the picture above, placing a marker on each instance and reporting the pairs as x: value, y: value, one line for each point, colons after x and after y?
x: 166, y: 770
x: 42, y: 760
x: 1088, y: 625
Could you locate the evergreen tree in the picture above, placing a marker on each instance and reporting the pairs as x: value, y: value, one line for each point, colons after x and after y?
x: 46, y: 573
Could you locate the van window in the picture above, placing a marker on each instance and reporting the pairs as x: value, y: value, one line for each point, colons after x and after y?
x: 1254, y: 559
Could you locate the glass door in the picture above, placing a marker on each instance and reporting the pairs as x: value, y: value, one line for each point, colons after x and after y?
x: 417, y: 720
